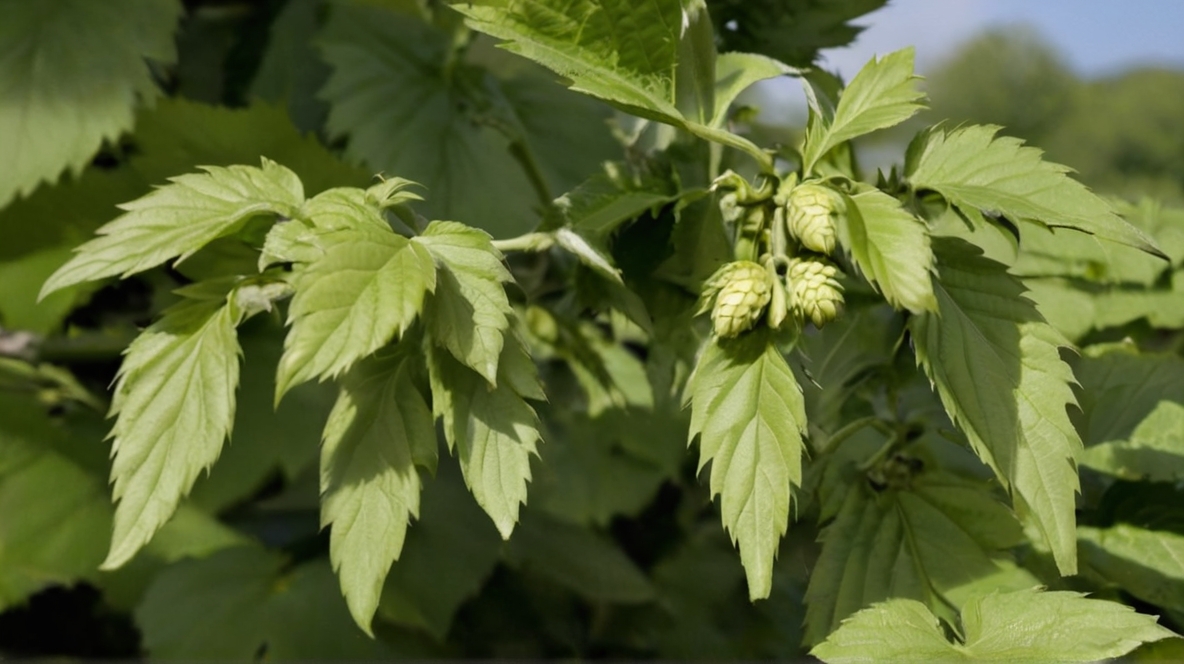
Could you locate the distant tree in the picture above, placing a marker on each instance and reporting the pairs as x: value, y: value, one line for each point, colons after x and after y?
x: 1008, y: 76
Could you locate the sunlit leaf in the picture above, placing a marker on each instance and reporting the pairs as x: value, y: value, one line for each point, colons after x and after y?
x: 749, y: 416
x: 891, y: 247
x: 995, y: 364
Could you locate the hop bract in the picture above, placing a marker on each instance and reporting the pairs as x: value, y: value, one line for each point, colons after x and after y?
x: 742, y: 290
x: 816, y: 292
x: 811, y: 211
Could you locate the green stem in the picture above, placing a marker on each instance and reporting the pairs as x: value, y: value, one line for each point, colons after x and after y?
x: 525, y: 242
x: 88, y: 348
x: 894, y: 438
x: 530, y: 165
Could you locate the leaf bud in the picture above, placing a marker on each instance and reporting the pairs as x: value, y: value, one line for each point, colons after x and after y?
x: 815, y: 291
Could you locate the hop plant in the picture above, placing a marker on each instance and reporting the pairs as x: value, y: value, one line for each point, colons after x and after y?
x: 811, y: 211
x: 737, y: 294
x: 815, y: 291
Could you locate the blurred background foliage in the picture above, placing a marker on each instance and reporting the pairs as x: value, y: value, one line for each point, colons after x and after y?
x: 630, y: 563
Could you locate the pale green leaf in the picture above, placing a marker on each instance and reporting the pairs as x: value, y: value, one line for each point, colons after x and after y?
x: 995, y: 364
x: 179, y: 218
x: 898, y: 630
x: 1154, y: 451
x: 890, y: 246
x: 241, y: 602
x: 972, y: 167
x: 491, y: 430
x: 884, y: 93
x: 936, y: 538
x: 71, y: 75
x: 366, y: 288
x: 1148, y: 564
x: 1020, y: 626
x: 735, y: 73
x: 578, y: 558
x: 588, y: 254
x: 378, y: 431
x: 748, y: 413
x: 175, y: 405
x: 468, y: 312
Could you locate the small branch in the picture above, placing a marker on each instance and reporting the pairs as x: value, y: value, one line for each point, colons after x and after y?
x: 530, y: 242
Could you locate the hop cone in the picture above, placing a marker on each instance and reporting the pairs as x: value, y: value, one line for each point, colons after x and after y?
x: 815, y: 291
x: 742, y: 290
x: 811, y: 211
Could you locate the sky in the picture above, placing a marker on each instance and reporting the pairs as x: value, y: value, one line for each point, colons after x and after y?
x: 1097, y: 37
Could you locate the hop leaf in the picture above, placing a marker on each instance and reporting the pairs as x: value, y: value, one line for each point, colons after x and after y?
x: 816, y: 292
x: 741, y: 291
x: 811, y: 212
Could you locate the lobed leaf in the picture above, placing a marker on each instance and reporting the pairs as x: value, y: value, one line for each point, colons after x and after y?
x: 994, y: 362
x: 179, y: 218
x: 883, y: 94
x: 748, y: 413
x: 973, y: 168
x: 175, y: 405
x: 939, y: 539
x: 71, y: 75
x: 492, y: 431
x: 468, y: 311
x: 378, y: 431
x: 1019, y: 626
x: 891, y: 247
x: 367, y: 287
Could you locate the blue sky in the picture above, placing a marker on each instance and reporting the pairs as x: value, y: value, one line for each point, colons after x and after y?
x: 1097, y: 37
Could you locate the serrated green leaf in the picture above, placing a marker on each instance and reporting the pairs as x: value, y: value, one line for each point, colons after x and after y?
x: 468, y: 312
x: 936, y: 538
x: 994, y: 362
x: 1019, y: 626
x: 72, y: 73
x: 367, y: 288
x: 241, y: 602
x: 448, y: 555
x: 1149, y: 564
x: 884, y: 93
x: 379, y: 430
x: 175, y: 405
x: 890, y: 246
x: 972, y: 167
x: 578, y: 558
x: 491, y: 430
x: 604, y: 201
x: 588, y: 254
x: 636, y: 56
x: 179, y: 218
x: 735, y: 73
x: 57, y: 517
x: 748, y: 413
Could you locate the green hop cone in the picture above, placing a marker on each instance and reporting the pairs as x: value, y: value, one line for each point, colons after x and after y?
x: 741, y: 290
x: 815, y: 291
x: 811, y: 211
